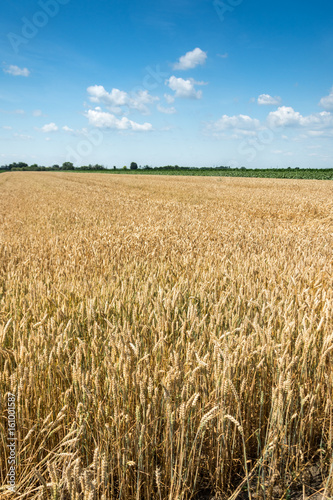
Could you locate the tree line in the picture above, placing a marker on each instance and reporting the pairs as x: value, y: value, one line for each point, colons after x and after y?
x: 67, y: 165
x: 18, y: 166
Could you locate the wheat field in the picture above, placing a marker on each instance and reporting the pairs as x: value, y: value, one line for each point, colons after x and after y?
x: 166, y: 338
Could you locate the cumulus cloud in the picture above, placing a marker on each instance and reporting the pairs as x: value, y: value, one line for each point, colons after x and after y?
x: 167, y: 111
x: 115, y: 99
x: 287, y: 117
x: 16, y: 71
x: 268, y: 100
x: 102, y: 119
x: 184, y: 88
x: 49, y: 127
x: 239, y: 122
x: 191, y: 59
x: 284, y: 117
x: 327, y: 101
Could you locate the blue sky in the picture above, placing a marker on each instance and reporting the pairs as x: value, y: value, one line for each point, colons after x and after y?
x: 194, y: 83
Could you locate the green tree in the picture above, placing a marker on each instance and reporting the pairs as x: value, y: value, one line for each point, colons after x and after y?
x: 67, y: 165
x: 134, y: 166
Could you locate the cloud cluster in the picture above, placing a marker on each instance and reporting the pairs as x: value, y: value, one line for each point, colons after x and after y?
x: 239, y: 122
x: 119, y: 102
x: 268, y: 100
x: 184, y: 88
x: 102, y: 119
x: 116, y: 99
x: 49, y: 127
x: 191, y: 59
x: 16, y: 71
x: 286, y: 116
x: 314, y: 125
x: 327, y: 101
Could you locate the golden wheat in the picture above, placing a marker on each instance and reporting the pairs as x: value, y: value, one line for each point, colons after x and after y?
x: 165, y: 336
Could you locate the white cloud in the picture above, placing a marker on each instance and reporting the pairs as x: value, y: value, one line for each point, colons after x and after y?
x: 288, y: 117
x: 284, y: 116
x: 68, y: 129
x: 102, y: 119
x: 115, y: 99
x: 140, y: 100
x: 49, y: 127
x: 184, y: 88
x: 191, y: 59
x: 223, y: 56
x: 7, y: 127
x: 37, y: 112
x: 268, y: 100
x: 169, y: 98
x: 239, y: 122
x: 16, y: 71
x: 167, y: 111
x: 327, y: 102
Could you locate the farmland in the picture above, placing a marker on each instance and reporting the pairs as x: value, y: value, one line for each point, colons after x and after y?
x: 166, y: 337
x: 265, y: 173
